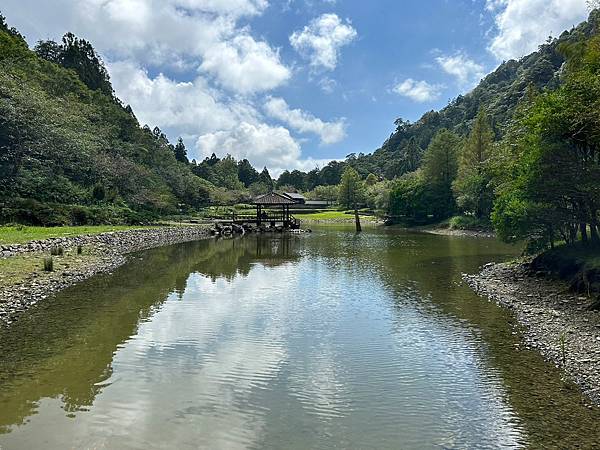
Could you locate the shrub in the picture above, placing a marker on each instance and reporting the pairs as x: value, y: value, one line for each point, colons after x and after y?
x: 468, y: 223
x: 48, y: 264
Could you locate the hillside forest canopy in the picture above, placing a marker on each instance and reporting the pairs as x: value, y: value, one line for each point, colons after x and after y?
x: 519, y: 153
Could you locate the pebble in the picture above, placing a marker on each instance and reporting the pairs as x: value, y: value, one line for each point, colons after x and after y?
x: 534, y: 301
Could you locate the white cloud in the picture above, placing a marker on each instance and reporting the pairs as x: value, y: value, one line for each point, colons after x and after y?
x: 327, y: 85
x: 523, y: 25
x: 466, y: 71
x: 262, y: 144
x: 321, y: 40
x: 215, y: 109
x: 214, y: 122
x: 418, y: 91
x: 164, y: 34
x: 189, y: 107
x: 329, y: 132
x: 245, y: 65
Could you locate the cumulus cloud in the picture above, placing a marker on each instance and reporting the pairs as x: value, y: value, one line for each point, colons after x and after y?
x: 522, y: 25
x: 164, y: 33
x: 147, y: 43
x: 418, y: 91
x: 214, y: 122
x: 245, y: 65
x: 303, y: 122
x: 466, y: 71
x: 321, y: 40
x: 262, y: 144
x: 185, y: 107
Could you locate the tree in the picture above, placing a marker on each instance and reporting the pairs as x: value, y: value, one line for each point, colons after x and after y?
x: 265, y: 178
x: 351, y: 193
x: 329, y: 194
x: 79, y: 55
x: 551, y: 187
x: 246, y: 173
x: 409, y: 201
x: 180, y: 152
x: 371, y: 179
x: 472, y: 185
x: 440, y: 167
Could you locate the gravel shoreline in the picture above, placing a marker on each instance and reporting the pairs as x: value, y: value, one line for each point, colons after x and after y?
x: 555, y: 321
x: 104, y: 253
x: 458, y: 232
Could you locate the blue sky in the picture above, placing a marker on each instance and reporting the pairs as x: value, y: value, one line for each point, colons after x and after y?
x: 294, y: 83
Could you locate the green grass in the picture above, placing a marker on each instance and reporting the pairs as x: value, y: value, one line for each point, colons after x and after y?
x: 333, y: 216
x: 17, y: 269
x: 20, y: 234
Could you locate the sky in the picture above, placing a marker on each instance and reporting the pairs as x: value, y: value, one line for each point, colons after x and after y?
x: 293, y: 84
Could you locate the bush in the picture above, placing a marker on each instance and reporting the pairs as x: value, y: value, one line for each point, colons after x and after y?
x: 48, y: 264
x: 468, y: 223
x: 32, y: 212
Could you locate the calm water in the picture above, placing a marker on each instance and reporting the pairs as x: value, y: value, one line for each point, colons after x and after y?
x: 330, y: 340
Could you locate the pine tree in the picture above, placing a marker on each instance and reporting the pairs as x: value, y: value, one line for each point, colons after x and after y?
x: 440, y: 165
x: 181, y: 152
x: 471, y: 187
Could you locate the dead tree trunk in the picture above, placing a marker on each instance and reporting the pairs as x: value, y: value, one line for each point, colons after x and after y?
x: 357, y: 220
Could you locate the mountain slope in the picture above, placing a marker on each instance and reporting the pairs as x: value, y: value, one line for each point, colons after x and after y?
x: 499, y: 93
x: 73, y: 154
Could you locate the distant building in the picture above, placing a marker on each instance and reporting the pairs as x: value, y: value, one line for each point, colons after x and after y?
x: 297, y: 198
x: 317, y: 203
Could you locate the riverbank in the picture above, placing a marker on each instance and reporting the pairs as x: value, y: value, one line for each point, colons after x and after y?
x: 23, y: 281
x: 555, y: 321
x: 456, y: 232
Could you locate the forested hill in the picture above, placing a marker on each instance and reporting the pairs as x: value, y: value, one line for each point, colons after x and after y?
x: 70, y: 151
x: 499, y: 93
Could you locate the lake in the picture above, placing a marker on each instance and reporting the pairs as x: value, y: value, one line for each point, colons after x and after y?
x: 323, y: 340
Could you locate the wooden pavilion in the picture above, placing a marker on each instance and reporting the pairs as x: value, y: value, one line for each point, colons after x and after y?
x: 274, y: 209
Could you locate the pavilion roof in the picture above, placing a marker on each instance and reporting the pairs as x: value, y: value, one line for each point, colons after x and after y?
x: 273, y: 198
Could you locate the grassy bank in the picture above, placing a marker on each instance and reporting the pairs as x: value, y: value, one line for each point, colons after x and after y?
x: 334, y: 217
x: 18, y: 269
x: 21, y: 234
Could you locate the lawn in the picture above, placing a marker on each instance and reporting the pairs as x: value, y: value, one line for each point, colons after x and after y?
x: 338, y: 216
x: 19, y: 234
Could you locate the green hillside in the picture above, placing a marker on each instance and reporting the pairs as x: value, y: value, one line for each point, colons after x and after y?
x: 499, y: 93
x: 71, y: 152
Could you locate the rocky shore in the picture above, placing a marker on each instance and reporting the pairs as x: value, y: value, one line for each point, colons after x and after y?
x: 100, y: 253
x: 459, y: 232
x: 555, y: 321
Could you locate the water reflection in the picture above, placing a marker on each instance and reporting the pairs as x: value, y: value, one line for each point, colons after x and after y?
x: 334, y: 339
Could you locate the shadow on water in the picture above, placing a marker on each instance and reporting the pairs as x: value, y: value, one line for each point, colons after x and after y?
x: 64, y: 348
